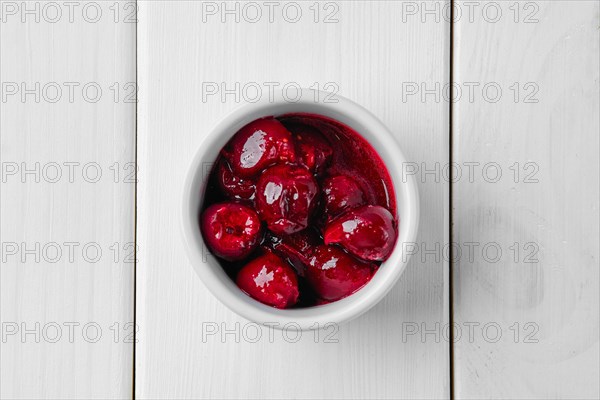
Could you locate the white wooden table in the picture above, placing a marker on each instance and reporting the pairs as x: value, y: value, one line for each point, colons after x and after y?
x: 521, y: 287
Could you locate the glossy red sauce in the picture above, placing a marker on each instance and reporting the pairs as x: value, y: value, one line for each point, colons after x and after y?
x: 353, y: 155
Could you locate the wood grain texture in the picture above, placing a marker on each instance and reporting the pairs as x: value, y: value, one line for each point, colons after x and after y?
x: 367, y: 54
x: 550, y: 209
x: 56, y: 210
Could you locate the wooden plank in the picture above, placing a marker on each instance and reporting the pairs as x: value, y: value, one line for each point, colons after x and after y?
x: 542, y: 294
x: 56, y: 290
x: 364, y: 53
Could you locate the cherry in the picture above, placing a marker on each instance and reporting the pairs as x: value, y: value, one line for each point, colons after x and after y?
x: 313, y: 150
x: 335, y: 274
x: 367, y: 232
x: 341, y: 192
x: 231, y: 230
x: 234, y: 186
x: 296, y: 248
x: 269, y: 280
x: 259, y: 144
x: 286, y: 196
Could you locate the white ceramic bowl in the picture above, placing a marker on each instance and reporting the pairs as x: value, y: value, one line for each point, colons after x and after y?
x: 210, y: 271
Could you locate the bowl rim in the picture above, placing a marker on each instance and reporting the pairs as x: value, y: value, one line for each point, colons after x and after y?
x: 209, y: 269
